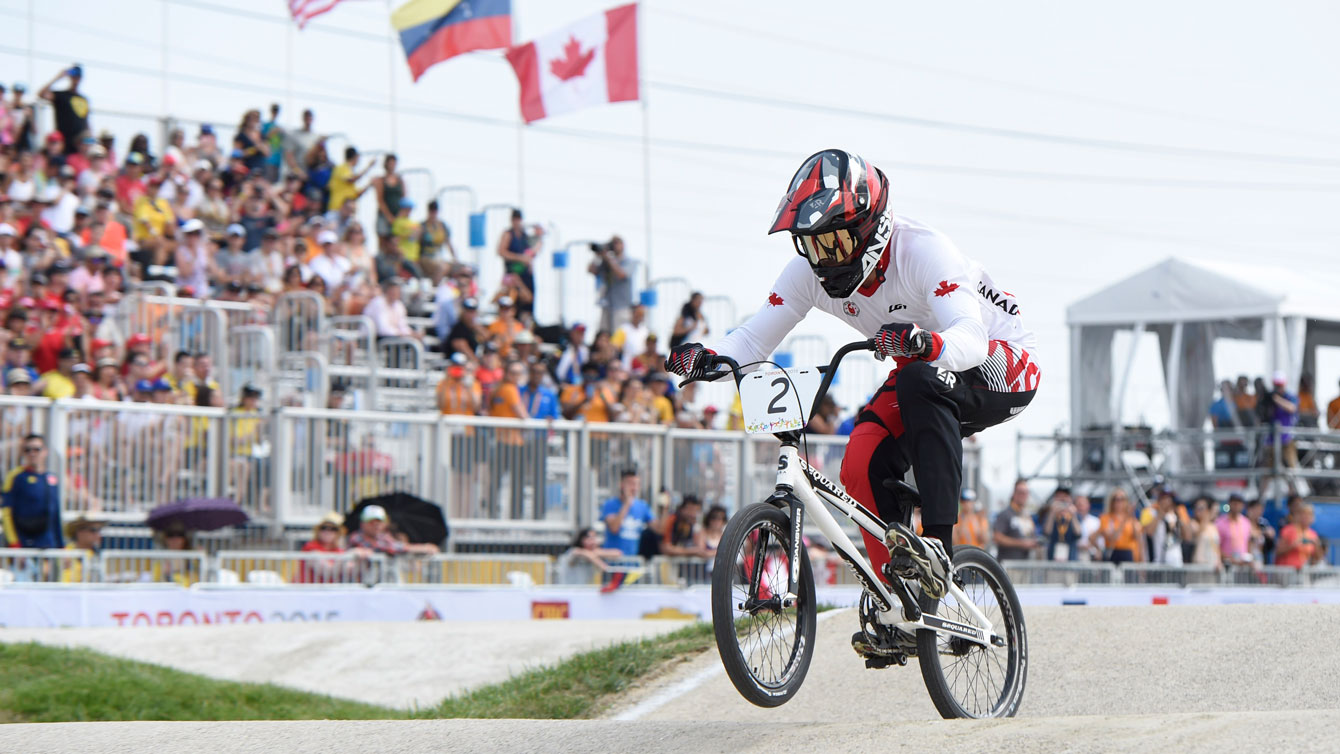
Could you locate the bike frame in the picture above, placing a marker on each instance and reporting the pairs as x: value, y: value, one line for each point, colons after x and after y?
x: 800, y: 488
x: 803, y: 490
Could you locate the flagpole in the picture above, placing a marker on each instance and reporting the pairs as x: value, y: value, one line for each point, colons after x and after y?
x: 520, y: 128
x: 646, y: 148
x: 390, y: 73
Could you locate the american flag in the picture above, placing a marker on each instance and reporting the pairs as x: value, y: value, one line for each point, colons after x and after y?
x: 305, y: 10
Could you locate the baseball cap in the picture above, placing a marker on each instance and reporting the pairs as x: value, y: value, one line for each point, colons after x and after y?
x: 504, y: 302
x: 206, y: 128
x: 326, y: 236
x: 194, y: 225
x: 250, y: 390
x: 236, y: 229
x: 144, y: 386
x: 1278, y: 378
x: 161, y: 385
x: 55, y: 136
x: 710, y: 410
x: 579, y: 326
x: 7, y: 230
x: 470, y: 303
x: 525, y: 337
x: 18, y: 374
x: 407, y: 203
x: 967, y: 494
x: 67, y: 353
x: 138, y: 339
x: 459, y: 359
x: 82, y: 368
x: 374, y: 513
x: 96, y: 151
x: 108, y: 362
x: 60, y: 267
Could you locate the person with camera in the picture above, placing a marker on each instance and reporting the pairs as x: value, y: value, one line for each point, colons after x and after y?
x: 1062, y: 531
x: 1299, y: 544
x: 1282, y: 412
x: 614, y: 276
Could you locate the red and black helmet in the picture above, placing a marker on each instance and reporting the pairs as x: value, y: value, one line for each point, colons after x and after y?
x: 836, y: 210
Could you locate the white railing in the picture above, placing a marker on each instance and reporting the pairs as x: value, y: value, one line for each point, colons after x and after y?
x: 277, y: 568
x: 23, y: 565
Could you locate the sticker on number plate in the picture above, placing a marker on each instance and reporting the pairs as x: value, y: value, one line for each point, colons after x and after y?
x: 778, y: 400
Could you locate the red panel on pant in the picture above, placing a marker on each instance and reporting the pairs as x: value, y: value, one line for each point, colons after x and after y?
x: 855, y: 478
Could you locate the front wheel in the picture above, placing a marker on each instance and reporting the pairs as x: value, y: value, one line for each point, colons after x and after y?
x: 966, y: 679
x: 764, y: 644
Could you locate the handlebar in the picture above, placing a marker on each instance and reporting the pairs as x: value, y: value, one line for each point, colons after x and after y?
x: 828, y: 371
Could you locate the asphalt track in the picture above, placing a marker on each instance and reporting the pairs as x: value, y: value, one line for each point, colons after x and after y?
x: 1213, y: 679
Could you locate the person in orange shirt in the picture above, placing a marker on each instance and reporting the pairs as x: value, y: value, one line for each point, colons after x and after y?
x: 1333, y: 413
x: 1307, y: 402
x: 1298, y: 542
x: 457, y: 393
x: 592, y: 400
x: 511, y: 457
x: 506, y: 327
x: 972, y: 528
x: 111, y: 233
x: 1120, y: 529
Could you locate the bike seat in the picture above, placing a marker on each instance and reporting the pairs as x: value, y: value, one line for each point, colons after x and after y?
x: 902, y: 491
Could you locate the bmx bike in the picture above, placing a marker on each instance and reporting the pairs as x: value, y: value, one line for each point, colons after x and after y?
x: 971, y: 643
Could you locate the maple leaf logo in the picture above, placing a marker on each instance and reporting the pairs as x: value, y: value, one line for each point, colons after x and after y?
x: 774, y: 300
x: 574, y: 61
x: 946, y: 288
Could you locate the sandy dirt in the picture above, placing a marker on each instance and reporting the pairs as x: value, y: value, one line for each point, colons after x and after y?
x: 1186, y: 679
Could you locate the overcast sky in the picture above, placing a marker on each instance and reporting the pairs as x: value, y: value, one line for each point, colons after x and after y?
x: 1010, y: 126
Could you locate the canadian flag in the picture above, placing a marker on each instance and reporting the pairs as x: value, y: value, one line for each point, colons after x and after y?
x: 591, y: 62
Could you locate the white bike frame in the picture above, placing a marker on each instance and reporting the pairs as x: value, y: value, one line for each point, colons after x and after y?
x: 797, y: 479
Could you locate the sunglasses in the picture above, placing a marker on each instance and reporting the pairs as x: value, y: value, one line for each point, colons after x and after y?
x: 34, y: 449
x: 327, y: 527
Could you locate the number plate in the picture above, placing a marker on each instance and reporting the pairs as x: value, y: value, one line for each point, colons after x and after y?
x: 778, y: 400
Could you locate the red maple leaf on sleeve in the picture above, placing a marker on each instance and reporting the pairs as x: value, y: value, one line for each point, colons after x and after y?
x: 946, y: 288
x: 574, y: 61
x: 774, y: 299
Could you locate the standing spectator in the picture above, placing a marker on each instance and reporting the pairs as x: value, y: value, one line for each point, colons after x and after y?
x: 390, y: 262
x: 254, y: 147
x: 1299, y: 544
x: 626, y: 516
x: 691, y: 326
x: 356, y: 251
x: 649, y: 360
x: 466, y: 333
x: 575, y: 355
x: 1089, y: 525
x: 297, y: 143
x: 390, y: 189
x: 518, y: 252
x: 1263, y: 534
x: 457, y: 393
x: 1235, y: 532
x: 1013, y: 531
x: 540, y: 400
x: 1120, y: 529
x: 1167, y: 530
x: 1246, y: 402
x: 511, y: 287
x: 1062, y: 529
x: 69, y: 106
x: 344, y: 192
x: 233, y: 263
x: 204, y: 371
x: 1223, y: 412
x: 1308, y: 413
x: 504, y: 401
x: 388, y: 314
x: 193, y: 263
x: 22, y: 125
x: 615, y: 274
x: 405, y: 232
x: 1333, y: 413
x: 434, y: 236
x: 30, y: 500
x: 631, y: 337
x: 1206, y: 532
x: 1282, y: 408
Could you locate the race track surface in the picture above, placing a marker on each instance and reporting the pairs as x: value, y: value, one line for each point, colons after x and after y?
x: 1212, y: 679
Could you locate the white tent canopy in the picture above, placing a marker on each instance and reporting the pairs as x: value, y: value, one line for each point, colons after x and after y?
x: 1190, y: 304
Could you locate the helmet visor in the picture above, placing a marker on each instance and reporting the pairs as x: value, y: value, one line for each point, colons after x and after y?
x: 827, y: 249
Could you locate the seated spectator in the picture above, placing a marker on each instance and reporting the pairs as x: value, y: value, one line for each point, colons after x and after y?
x: 682, y: 536
x: 108, y: 385
x: 388, y: 314
x: 574, y: 357
x: 327, y: 537
x: 592, y: 400
x: 181, y: 377
x: 466, y: 334
x: 631, y: 336
x: 505, y: 328
x: 1299, y: 544
x: 373, y: 535
x: 330, y: 265
x: 585, y: 558
x: 59, y: 382
x: 180, y: 571
x: 85, y: 534
x: 658, y: 388
x: 540, y: 400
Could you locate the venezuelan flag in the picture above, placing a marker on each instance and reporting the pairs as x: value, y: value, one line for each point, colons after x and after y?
x: 432, y: 31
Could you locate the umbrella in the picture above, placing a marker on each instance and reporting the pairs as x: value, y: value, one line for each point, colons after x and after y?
x: 422, y: 521
x: 197, y: 514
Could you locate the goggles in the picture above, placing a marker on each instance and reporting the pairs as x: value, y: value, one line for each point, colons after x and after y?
x: 827, y: 249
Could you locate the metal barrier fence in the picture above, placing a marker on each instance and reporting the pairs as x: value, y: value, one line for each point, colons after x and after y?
x: 500, y: 472
x: 180, y: 567
x: 516, y: 570
x: 23, y: 565
x: 274, y: 568
x: 1038, y: 572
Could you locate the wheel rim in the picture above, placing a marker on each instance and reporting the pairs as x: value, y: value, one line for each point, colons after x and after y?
x: 767, y: 636
x: 979, y: 679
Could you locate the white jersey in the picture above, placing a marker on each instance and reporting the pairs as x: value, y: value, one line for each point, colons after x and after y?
x: 927, y: 281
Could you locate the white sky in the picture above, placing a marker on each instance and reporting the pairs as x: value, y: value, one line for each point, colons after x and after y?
x: 1230, y: 76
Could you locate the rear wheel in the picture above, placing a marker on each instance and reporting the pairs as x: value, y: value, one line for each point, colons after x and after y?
x: 765, y: 645
x: 966, y: 679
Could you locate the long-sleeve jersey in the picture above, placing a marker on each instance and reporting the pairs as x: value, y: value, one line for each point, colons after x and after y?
x: 927, y: 281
